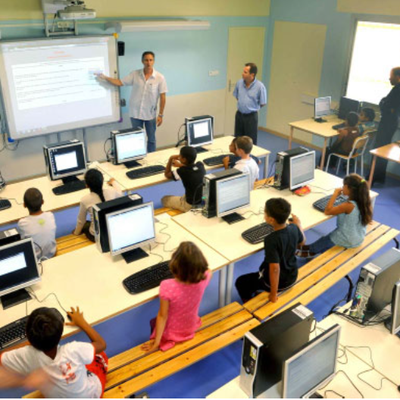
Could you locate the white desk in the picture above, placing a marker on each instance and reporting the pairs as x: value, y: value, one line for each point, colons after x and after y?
x: 93, y: 280
x: 219, y: 146
x: 227, y: 240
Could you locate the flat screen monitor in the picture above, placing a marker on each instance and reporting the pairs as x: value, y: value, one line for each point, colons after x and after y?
x: 129, y: 145
x: 130, y: 229
x: 233, y: 193
x: 199, y: 131
x: 18, y: 270
x: 347, y: 105
x: 65, y: 159
x: 322, y: 106
x: 302, y: 170
x: 312, y: 366
x: 49, y: 85
x: 395, y: 328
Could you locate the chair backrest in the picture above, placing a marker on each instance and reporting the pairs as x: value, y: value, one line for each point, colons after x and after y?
x: 359, y: 145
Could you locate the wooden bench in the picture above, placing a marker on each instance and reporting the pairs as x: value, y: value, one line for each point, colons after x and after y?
x: 134, y: 369
x: 323, y: 272
x: 68, y: 243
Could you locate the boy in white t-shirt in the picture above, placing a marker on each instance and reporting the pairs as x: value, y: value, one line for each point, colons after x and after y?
x: 74, y: 370
x: 246, y: 164
x: 39, y: 225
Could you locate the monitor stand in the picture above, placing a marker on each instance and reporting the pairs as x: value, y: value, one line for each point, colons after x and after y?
x: 14, y: 298
x: 132, y: 164
x: 232, y: 218
x: 200, y: 149
x: 320, y: 120
x: 134, y: 255
x: 70, y: 184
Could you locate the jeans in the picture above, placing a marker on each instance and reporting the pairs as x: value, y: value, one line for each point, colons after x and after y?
x: 321, y: 245
x: 150, y: 127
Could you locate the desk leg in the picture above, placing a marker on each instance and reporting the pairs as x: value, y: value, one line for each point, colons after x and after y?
x: 229, y: 283
x: 321, y: 167
x: 291, y: 137
x: 371, y: 173
x: 222, y: 287
x: 266, y: 165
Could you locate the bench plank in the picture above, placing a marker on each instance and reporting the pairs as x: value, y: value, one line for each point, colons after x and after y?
x: 184, y: 360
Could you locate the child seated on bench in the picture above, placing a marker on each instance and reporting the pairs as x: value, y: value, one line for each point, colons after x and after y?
x: 353, y: 217
x: 94, y: 181
x: 76, y: 369
x: 39, y: 225
x: 180, y: 298
x: 232, y: 159
x: 279, y: 268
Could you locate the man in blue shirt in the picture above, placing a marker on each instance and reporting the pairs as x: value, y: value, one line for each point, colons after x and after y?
x: 251, y: 96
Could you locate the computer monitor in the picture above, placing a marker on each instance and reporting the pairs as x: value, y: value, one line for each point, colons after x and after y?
x: 395, y: 325
x: 233, y: 193
x: 322, y: 107
x: 312, y: 366
x: 129, y: 145
x: 200, y: 131
x: 347, y: 105
x: 18, y: 270
x: 302, y: 170
x: 129, y: 229
x: 66, y: 160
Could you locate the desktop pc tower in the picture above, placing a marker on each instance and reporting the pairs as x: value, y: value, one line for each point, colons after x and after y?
x: 282, y: 170
x: 9, y: 236
x: 269, y: 345
x: 99, y: 217
x: 209, y: 190
x: 375, y: 285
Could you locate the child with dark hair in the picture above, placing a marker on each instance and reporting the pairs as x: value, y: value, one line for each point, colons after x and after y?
x: 39, y: 225
x: 180, y: 298
x: 367, y: 123
x: 279, y: 268
x: 76, y: 369
x: 346, y: 138
x: 191, y: 174
x: 94, y: 181
x: 353, y: 217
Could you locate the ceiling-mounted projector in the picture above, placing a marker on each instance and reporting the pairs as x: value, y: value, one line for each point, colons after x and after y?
x: 76, y: 12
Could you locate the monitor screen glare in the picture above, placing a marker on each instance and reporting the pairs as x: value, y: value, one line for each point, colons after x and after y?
x: 199, y: 131
x: 130, y: 146
x: 130, y: 228
x: 322, y: 106
x: 318, y: 356
x: 302, y: 169
x: 233, y: 193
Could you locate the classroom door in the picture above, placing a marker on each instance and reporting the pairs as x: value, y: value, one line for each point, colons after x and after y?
x: 245, y: 45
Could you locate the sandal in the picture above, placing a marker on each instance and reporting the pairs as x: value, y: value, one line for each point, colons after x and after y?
x: 304, y: 254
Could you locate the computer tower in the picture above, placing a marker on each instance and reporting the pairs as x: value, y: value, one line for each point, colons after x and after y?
x: 99, y: 217
x: 375, y: 285
x: 209, y: 190
x: 282, y: 169
x: 266, y: 347
x: 9, y: 236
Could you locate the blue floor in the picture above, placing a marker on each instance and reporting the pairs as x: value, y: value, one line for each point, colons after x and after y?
x: 131, y: 328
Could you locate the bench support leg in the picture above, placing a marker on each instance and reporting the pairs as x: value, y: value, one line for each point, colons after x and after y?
x: 351, y: 287
x: 229, y: 283
x: 222, y: 287
x: 397, y: 243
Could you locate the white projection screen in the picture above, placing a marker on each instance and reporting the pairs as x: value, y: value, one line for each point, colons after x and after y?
x: 49, y: 85
x: 376, y: 51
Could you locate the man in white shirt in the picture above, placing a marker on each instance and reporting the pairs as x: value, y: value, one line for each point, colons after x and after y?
x: 246, y: 164
x: 148, y: 85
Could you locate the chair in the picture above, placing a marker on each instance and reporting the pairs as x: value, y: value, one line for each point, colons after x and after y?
x: 358, y: 150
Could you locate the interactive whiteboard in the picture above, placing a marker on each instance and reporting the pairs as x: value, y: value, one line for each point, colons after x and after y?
x: 50, y: 85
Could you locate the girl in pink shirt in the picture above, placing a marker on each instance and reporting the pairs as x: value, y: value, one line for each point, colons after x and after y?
x: 177, y: 319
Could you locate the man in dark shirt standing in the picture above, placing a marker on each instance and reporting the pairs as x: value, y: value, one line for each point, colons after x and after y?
x: 390, y: 111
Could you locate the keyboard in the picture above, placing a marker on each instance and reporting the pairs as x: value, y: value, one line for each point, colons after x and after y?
x: 148, y: 278
x: 217, y: 160
x: 4, y: 204
x: 257, y: 233
x: 69, y: 187
x: 321, y: 204
x: 146, y: 171
x: 339, y: 126
x: 13, y: 333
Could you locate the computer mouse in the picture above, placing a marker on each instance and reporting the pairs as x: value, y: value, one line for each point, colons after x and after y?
x: 69, y: 317
x: 290, y: 219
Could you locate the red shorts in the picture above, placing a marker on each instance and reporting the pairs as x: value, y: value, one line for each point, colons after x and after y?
x: 99, y: 367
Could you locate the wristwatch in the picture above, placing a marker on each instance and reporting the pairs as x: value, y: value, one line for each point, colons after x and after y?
x: 161, y: 115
